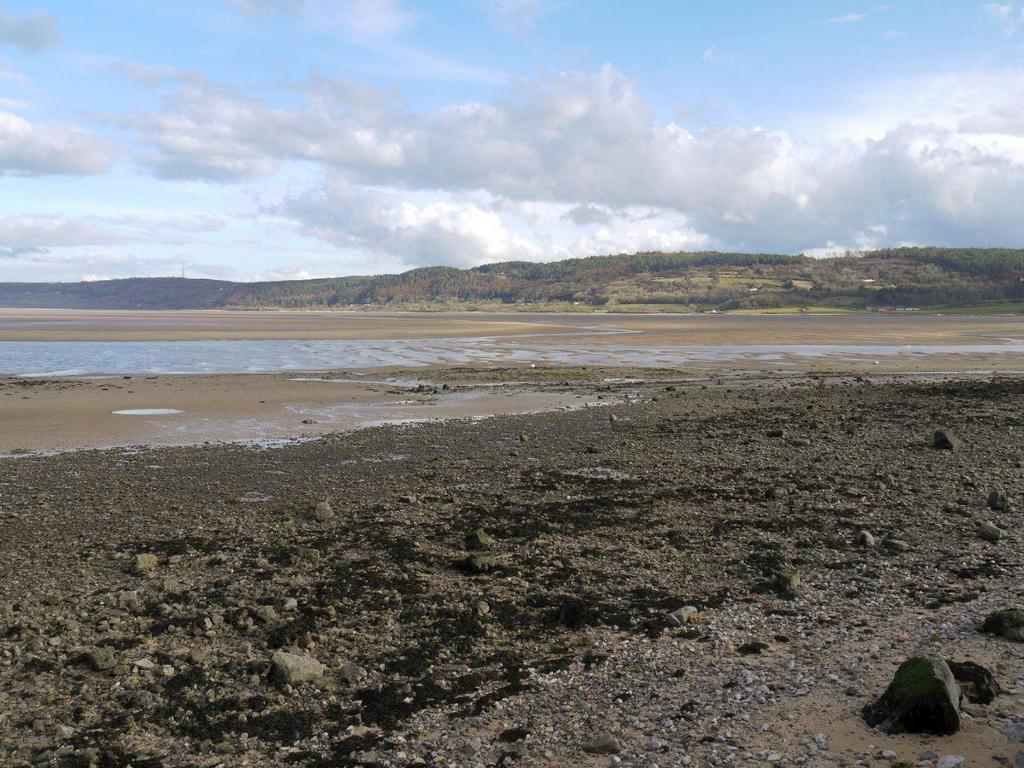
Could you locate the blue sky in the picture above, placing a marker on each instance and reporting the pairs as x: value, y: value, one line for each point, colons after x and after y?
x: 262, y: 139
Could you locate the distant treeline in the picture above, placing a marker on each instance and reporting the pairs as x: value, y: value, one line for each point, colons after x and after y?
x: 703, y: 281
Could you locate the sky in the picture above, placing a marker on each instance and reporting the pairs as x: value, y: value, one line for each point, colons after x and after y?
x: 285, y: 139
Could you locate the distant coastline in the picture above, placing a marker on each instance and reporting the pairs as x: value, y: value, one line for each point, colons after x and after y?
x: 902, y: 280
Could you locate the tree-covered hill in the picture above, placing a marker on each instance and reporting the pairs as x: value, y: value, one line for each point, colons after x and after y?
x: 887, y: 279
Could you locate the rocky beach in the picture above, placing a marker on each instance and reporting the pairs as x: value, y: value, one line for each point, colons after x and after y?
x: 698, y: 572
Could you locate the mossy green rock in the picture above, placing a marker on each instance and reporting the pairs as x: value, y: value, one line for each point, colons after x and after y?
x: 923, y: 697
x: 479, y: 539
x: 1008, y: 624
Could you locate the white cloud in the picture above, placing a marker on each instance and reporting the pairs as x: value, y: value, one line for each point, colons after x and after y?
x: 30, y: 32
x: 264, y: 6
x: 1006, y: 15
x: 709, y: 53
x: 937, y: 160
x: 40, y: 233
x: 363, y: 20
x: 849, y: 18
x: 520, y: 15
x: 31, y: 149
x: 435, y: 232
x: 369, y: 19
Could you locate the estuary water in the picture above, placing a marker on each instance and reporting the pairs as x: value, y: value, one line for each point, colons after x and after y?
x: 77, y: 358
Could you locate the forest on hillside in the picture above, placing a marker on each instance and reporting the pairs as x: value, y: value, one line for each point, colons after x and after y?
x: 900, y: 278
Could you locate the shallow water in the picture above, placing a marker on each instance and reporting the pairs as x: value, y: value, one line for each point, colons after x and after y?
x: 28, y: 358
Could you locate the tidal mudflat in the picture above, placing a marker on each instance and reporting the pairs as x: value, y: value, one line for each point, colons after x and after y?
x: 703, y: 573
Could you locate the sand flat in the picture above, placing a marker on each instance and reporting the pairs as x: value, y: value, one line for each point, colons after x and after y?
x: 549, y: 328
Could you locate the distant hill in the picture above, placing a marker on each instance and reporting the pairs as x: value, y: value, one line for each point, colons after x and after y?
x: 903, y: 278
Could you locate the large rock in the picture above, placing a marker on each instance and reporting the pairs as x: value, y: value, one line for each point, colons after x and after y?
x: 923, y: 697
x: 944, y: 441
x: 292, y: 668
x: 1008, y: 623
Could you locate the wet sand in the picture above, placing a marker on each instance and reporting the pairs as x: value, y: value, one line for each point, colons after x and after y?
x: 590, y: 328
x: 61, y: 414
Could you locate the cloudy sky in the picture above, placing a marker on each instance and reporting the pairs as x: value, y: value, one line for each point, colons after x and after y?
x: 264, y: 139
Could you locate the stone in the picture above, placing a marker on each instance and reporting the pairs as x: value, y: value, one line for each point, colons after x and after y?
x: 1008, y: 624
x: 323, y: 511
x: 997, y: 501
x: 976, y: 683
x: 289, y: 604
x: 989, y: 532
x: 573, y: 613
x: 101, y: 659
x: 865, y: 539
x: 351, y: 673
x: 688, y: 614
x: 788, y: 581
x: 944, y: 441
x: 479, y: 539
x: 144, y: 564
x: 752, y: 648
x: 265, y: 613
x: 897, y: 545
x: 923, y: 697
x: 952, y: 761
x: 130, y: 601
x: 605, y: 744
x: 291, y: 668
x: 479, y: 563
x: 1015, y: 732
